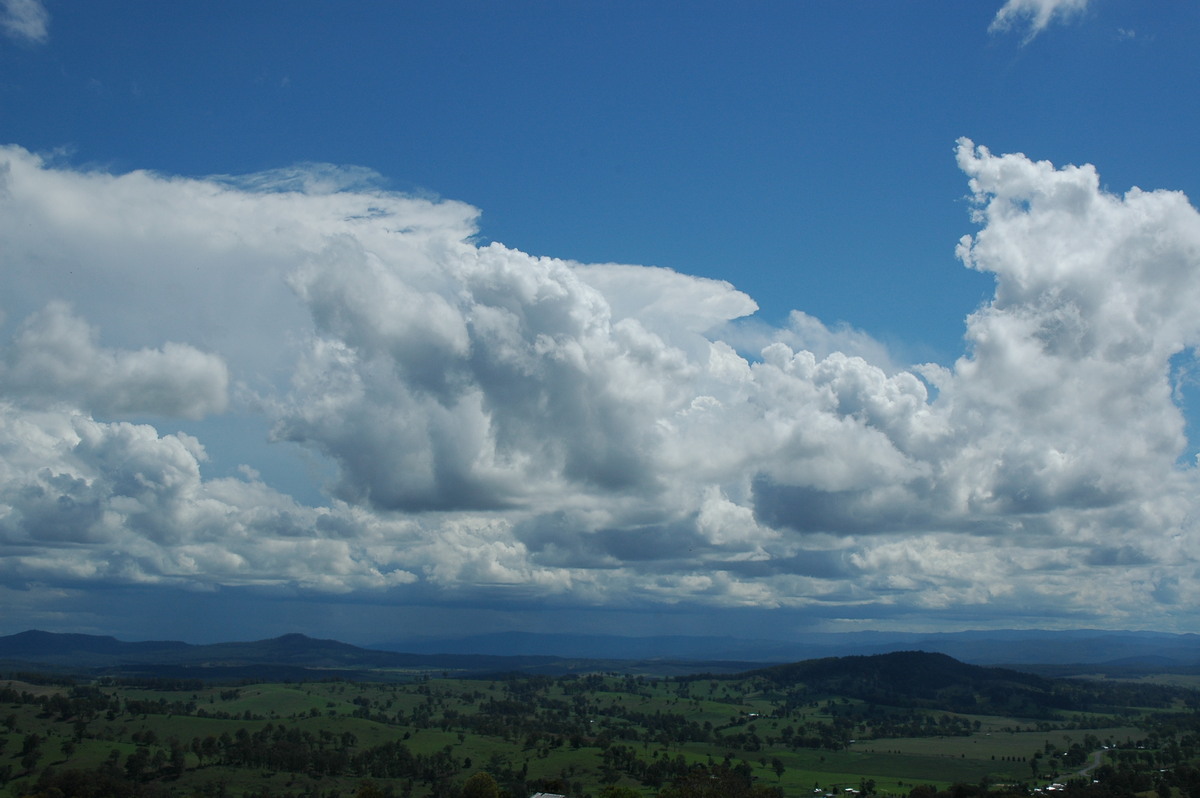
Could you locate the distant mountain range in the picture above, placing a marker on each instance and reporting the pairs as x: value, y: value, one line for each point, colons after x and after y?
x: 298, y: 657
x: 292, y: 657
x: 995, y: 647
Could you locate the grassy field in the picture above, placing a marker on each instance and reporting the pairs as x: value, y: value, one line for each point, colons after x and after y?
x: 560, y: 734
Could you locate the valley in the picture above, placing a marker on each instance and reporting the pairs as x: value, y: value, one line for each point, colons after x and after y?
x: 904, y: 723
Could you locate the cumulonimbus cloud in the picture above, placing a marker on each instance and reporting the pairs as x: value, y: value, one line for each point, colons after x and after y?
x: 600, y: 432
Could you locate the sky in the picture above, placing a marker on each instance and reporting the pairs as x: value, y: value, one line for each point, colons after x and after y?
x: 379, y: 320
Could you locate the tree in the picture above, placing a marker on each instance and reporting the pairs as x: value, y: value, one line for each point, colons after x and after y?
x: 136, y: 763
x: 31, y: 752
x: 368, y: 789
x: 619, y: 791
x: 480, y: 785
x: 178, y: 757
x: 30, y: 759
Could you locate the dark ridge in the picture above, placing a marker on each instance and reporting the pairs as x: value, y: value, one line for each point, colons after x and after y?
x: 919, y: 678
x: 290, y: 657
x: 910, y: 671
x: 38, y: 643
x: 900, y: 678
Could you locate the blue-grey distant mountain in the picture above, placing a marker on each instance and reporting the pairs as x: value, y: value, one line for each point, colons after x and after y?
x: 52, y: 647
x: 287, y: 656
x: 293, y: 657
x: 994, y: 647
x: 296, y: 656
x: 676, y: 647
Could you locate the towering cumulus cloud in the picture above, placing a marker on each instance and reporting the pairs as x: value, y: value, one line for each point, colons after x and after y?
x: 528, y: 427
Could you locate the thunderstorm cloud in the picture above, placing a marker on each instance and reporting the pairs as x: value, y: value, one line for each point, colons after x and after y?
x: 496, y: 423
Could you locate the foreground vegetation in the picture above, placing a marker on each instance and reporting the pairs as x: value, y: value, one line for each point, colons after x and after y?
x: 885, y: 726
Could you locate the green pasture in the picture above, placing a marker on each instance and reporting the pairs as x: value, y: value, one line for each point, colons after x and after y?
x: 988, y: 745
x: 1190, y: 681
x: 620, y: 706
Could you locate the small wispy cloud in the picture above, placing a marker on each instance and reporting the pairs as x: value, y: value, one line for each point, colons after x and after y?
x: 1037, y: 14
x: 27, y: 20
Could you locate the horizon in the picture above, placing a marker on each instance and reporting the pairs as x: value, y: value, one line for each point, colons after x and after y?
x: 883, y: 636
x: 1004, y: 648
x: 808, y: 318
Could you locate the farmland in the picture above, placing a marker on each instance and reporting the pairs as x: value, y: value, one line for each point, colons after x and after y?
x: 785, y: 731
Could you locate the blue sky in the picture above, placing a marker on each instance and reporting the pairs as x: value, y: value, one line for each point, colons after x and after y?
x: 378, y: 319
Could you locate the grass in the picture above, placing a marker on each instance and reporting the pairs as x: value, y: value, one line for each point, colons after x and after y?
x: 997, y: 752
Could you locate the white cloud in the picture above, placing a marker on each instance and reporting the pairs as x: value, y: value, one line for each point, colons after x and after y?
x: 82, y: 500
x: 25, y: 19
x: 1070, y: 361
x: 54, y: 358
x: 806, y: 333
x: 1036, y: 13
x: 508, y: 425
x: 501, y: 378
x: 200, y: 262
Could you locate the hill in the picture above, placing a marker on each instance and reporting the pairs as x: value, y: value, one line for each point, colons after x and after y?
x: 926, y: 680
x: 281, y: 657
x: 293, y: 657
x: 919, y: 678
x: 1012, y: 647
x: 938, y: 677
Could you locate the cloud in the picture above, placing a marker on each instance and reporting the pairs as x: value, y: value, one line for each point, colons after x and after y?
x: 1093, y: 299
x: 511, y: 428
x: 87, y: 501
x: 1036, y: 13
x: 54, y: 358
x: 491, y: 377
x: 196, y: 261
x: 25, y: 20
x: 806, y: 333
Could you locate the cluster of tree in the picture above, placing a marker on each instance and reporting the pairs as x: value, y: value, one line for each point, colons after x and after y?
x: 719, y: 781
x: 102, y: 782
x: 159, y: 683
x: 277, y: 747
x: 80, y: 701
x: 528, y: 712
x: 1123, y: 780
